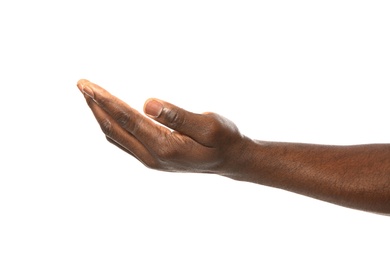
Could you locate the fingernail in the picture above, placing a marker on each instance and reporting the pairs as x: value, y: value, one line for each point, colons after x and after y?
x: 88, y: 91
x: 153, y: 108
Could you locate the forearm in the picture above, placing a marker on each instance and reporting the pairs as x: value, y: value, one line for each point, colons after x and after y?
x: 352, y: 176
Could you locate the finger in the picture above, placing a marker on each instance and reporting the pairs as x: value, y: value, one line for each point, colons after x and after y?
x: 121, y: 137
x: 203, y: 128
x: 112, y: 141
x: 120, y: 146
x: 125, y: 116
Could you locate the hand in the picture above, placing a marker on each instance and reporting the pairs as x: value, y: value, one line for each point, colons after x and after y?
x: 189, y: 143
x: 352, y: 176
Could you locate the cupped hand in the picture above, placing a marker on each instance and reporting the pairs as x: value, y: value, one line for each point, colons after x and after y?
x: 184, y: 141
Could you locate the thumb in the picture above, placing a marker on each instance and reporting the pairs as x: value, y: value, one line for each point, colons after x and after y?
x: 176, y: 118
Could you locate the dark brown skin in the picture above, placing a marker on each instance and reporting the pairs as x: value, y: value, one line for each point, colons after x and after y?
x: 355, y: 176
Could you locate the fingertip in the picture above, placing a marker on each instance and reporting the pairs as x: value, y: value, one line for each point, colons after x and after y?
x: 85, y: 87
x: 81, y: 83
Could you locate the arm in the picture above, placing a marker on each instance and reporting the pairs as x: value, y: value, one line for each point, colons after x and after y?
x: 352, y: 176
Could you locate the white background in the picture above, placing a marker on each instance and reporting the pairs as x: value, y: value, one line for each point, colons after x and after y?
x: 297, y: 71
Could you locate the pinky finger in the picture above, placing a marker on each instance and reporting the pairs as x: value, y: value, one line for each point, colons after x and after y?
x: 112, y: 141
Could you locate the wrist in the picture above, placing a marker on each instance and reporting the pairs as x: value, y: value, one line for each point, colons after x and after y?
x: 244, y: 160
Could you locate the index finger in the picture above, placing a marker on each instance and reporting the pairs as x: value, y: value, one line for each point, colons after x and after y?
x: 127, y: 117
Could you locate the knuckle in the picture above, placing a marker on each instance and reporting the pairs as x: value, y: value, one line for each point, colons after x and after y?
x: 123, y: 118
x: 133, y: 127
x: 101, y: 99
x: 174, y: 118
x: 106, y: 126
x: 215, y: 127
